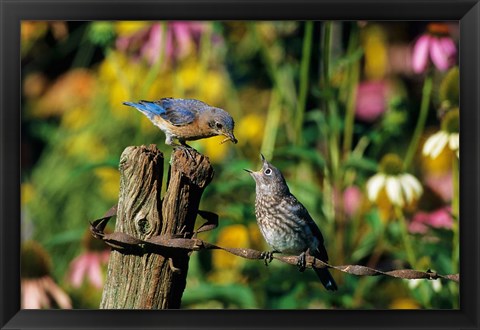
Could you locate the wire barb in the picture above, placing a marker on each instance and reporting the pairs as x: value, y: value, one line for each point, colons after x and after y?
x: 127, y: 244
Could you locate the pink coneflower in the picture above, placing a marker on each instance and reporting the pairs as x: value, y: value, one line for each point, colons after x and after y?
x: 440, y: 218
x: 371, y: 100
x: 437, y: 45
x: 39, y: 290
x: 352, y: 200
x: 88, y: 266
x: 177, y: 41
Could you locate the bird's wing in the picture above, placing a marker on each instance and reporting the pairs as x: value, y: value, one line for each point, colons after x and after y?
x: 177, y: 112
x: 148, y: 108
x: 302, y: 213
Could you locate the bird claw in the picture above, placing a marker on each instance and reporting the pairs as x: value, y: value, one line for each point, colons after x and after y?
x: 267, y: 257
x: 187, y: 149
x: 302, y: 262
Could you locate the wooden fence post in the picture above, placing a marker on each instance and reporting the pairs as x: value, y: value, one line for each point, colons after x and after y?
x: 154, y: 280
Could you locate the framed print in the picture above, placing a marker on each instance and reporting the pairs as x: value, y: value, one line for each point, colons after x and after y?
x: 239, y: 164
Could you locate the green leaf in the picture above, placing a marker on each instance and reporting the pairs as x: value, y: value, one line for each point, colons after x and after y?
x: 361, y: 163
x: 238, y: 295
x: 313, y: 157
x: 71, y: 236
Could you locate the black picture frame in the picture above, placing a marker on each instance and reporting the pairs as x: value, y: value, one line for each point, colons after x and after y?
x: 14, y: 11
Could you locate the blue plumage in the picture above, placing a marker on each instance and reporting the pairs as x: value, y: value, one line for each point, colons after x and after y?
x: 186, y: 119
x: 149, y: 109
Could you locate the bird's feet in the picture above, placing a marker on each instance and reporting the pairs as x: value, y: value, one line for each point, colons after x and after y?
x: 185, y: 147
x: 302, y: 262
x: 267, y: 256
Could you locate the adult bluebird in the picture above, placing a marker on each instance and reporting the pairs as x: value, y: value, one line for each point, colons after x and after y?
x: 186, y: 119
x: 285, y: 223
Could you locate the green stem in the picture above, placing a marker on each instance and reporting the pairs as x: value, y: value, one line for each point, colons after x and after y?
x: 354, y: 74
x: 303, y: 87
x: 271, y: 125
x: 327, y: 46
x: 406, y: 237
x: 426, y: 94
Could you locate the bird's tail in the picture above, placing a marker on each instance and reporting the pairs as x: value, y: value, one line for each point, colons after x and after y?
x: 148, y: 108
x: 326, y: 279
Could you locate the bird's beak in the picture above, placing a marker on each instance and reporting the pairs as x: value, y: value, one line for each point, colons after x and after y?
x: 264, y: 161
x: 252, y: 173
x: 230, y: 137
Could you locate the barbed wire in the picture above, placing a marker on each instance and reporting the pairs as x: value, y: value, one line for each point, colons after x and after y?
x: 167, y: 245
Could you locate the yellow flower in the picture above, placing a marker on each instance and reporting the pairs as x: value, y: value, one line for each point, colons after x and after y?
x: 213, y: 148
x: 250, y: 129
x: 189, y: 74
x: 375, y: 47
x: 212, y: 89
x: 109, y: 182
x: 234, y: 236
x: 124, y: 80
x: 404, y: 303
x: 127, y: 28
x: 77, y: 117
x: 87, y: 146
x: 226, y: 265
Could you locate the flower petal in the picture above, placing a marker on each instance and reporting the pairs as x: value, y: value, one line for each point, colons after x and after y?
x: 78, y: 268
x: 448, y: 46
x: 407, y: 190
x: 440, y: 143
x: 440, y: 58
x: 420, y: 54
x: 57, y: 294
x: 95, y: 272
x: 394, y: 190
x: 454, y: 141
x: 414, y: 184
x: 31, y: 296
x: 430, y: 144
x: 416, y: 227
x: 374, y: 184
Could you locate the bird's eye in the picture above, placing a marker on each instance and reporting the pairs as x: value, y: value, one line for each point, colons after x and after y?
x: 218, y: 125
x: 268, y: 171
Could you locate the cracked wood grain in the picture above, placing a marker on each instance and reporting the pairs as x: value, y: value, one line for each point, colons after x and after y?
x: 138, y: 280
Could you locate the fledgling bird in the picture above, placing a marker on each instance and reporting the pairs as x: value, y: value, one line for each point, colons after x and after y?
x: 186, y: 119
x: 285, y: 223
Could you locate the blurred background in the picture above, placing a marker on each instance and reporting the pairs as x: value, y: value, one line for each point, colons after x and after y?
x: 361, y: 117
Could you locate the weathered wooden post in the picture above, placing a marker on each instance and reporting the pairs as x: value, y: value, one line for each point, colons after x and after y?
x: 142, y: 280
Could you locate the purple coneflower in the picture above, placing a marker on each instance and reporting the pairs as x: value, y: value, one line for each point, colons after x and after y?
x: 88, y: 266
x: 39, y: 290
x: 437, y: 45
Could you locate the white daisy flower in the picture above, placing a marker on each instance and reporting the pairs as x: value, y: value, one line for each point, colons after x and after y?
x: 447, y: 136
x: 401, y: 188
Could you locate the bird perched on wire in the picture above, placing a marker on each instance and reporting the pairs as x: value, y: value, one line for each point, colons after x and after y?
x: 285, y: 223
x: 186, y: 119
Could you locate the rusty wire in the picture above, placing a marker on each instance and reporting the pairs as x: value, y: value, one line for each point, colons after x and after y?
x: 124, y: 243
